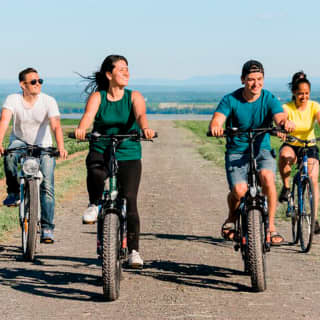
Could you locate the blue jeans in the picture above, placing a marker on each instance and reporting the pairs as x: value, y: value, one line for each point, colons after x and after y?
x: 237, y: 165
x: 47, y: 165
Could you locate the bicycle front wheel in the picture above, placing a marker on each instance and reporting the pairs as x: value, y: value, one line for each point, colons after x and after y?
x: 29, y: 226
x: 307, y: 216
x: 111, y: 264
x: 256, y: 252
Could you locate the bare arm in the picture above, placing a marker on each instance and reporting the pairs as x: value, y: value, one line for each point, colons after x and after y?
x: 281, y: 120
x: 58, y: 133
x: 139, y: 107
x: 318, y: 117
x: 4, y: 124
x: 90, y: 112
x: 216, y: 124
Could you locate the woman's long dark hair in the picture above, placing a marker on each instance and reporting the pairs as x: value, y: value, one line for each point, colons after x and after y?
x: 98, y: 81
x: 297, y: 79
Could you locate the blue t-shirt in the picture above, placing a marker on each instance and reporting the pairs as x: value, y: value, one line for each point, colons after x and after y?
x: 244, y: 115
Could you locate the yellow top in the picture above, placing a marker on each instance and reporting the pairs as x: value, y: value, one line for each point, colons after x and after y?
x: 304, y: 120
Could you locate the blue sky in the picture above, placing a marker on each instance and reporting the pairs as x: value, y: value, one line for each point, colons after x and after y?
x: 174, y: 39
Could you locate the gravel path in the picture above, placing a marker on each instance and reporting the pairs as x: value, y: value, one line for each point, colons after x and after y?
x: 189, y: 273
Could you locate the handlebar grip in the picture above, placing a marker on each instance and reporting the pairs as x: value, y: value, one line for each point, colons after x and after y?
x: 71, y: 135
x: 209, y: 134
x: 155, y: 135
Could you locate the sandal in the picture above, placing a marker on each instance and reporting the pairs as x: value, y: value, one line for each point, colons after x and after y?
x: 228, y: 231
x: 275, y: 234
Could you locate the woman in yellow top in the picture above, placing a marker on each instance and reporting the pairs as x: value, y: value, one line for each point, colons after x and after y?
x: 303, y: 112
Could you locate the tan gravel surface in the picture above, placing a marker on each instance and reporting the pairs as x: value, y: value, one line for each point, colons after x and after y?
x: 189, y: 273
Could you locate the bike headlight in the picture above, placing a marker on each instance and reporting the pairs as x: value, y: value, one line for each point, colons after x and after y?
x: 31, y: 167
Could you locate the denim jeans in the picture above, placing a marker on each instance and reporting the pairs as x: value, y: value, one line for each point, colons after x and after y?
x: 47, y: 165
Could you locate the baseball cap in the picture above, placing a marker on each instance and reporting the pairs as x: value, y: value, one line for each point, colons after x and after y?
x: 250, y: 67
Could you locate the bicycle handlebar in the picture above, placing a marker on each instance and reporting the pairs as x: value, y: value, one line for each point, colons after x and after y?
x: 257, y: 131
x: 293, y: 138
x: 97, y: 136
x: 46, y: 150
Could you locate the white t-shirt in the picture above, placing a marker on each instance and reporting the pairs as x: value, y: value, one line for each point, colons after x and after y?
x: 32, y: 124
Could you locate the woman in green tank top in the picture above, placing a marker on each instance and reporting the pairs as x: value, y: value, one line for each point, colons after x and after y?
x: 112, y: 109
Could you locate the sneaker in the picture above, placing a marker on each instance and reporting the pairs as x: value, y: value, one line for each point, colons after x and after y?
x: 135, y: 260
x: 13, y: 199
x: 90, y: 215
x: 284, y: 194
x: 47, y: 236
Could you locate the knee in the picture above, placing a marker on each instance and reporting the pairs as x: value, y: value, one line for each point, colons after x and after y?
x: 267, y: 178
x: 239, y: 191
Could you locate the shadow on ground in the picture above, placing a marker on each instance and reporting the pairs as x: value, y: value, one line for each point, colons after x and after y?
x: 185, y: 237
x: 195, y: 275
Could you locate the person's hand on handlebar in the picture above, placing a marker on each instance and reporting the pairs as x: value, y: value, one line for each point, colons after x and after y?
x: 289, y: 126
x: 63, y: 153
x: 148, y: 133
x: 217, y: 131
x: 80, y: 134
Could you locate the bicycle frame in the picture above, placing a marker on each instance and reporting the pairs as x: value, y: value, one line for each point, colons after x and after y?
x: 113, y: 202
x: 300, y: 176
x: 254, y: 199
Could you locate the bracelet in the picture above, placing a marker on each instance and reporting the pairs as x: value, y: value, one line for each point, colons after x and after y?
x: 145, y: 128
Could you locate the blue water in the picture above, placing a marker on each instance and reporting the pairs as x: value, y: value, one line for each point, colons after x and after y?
x: 206, y: 117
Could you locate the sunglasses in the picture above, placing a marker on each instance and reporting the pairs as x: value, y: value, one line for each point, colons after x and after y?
x: 34, y: 81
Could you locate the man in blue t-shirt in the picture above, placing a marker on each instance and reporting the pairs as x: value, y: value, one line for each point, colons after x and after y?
x: 249, y: 107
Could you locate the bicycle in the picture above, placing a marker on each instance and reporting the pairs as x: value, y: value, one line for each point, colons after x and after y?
x: 112, y: 219
x: 252, y: 234
x: 301, y: 199
x: 30, y: 178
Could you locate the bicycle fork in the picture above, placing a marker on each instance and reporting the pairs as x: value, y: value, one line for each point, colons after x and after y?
x: 121, y: 210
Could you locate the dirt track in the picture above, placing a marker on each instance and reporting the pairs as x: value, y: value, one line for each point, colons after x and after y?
x: 189, y: 273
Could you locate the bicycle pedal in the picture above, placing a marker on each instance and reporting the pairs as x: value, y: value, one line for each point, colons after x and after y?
x: 47, y: 241
x: 91, y: 222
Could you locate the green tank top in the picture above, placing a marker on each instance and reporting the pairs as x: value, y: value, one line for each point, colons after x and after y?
x: 117, y: 117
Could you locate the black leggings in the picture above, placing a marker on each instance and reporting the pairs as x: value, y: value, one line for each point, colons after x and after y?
x: 129, y: 175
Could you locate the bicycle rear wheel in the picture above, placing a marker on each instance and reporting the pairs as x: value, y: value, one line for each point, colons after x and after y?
x: 29, y: 225
x: 111, y: 264
x: 307, y: 217
x: 295, y: 226
x: 256, y: 252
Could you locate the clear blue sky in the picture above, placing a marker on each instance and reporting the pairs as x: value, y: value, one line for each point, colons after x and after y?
x: 174, y: 39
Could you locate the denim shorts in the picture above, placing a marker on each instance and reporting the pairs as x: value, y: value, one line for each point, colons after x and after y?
x: 237, y: 166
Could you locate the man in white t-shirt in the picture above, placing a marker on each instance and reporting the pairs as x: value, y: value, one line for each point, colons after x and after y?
x: 34, y: 114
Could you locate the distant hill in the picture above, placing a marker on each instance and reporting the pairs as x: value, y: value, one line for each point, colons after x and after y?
x: 200, y: 89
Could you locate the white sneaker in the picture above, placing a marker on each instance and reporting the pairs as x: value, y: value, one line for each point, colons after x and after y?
x: 135, y: 260
x: 90, y: 215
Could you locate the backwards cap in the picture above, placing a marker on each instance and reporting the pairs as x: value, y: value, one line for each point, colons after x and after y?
x: 250, y: 67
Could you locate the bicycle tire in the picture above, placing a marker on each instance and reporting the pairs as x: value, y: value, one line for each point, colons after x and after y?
x: 33, y: 207
x: 240, y: 223
x: 295, y: 226
x: 111, y: 264
x: 256, y: 252
x: 307, y: 218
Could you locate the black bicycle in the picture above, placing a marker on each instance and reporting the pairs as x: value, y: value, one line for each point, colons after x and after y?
x: 30, y: 178
x: 112, y: 218
x: 252, y: 234
x: 301, y: 207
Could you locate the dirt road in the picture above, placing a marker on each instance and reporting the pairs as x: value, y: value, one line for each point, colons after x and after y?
x: 189, y: 273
